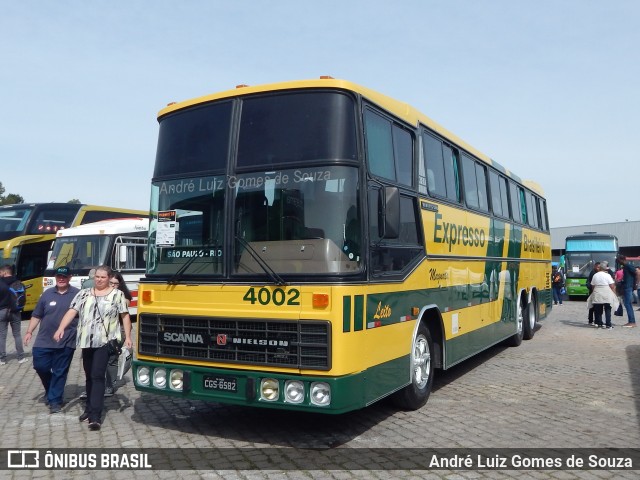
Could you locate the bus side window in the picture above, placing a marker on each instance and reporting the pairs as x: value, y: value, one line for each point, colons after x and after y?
x: 515, y: 203
x: 443, y: 177
x: 389, y: 148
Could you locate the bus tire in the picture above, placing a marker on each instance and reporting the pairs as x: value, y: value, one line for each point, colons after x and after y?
x: 529, y: 319
x: 516, y: 339
x: 416, y: 394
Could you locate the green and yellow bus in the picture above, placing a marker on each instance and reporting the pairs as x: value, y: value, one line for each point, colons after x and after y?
x: 27, y: 231
x: 317, y: 246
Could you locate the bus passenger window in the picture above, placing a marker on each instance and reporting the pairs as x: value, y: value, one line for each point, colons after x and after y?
x: 389, y: 149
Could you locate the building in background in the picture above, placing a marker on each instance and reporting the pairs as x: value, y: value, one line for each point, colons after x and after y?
x: 628, y: 234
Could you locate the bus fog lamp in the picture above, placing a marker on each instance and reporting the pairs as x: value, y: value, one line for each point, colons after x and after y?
x: 320, y: 394
x: 160, y: 378
x: 294, y: 391
x: 269, y: 389
x: 176, y: 380
x: 144, y: 376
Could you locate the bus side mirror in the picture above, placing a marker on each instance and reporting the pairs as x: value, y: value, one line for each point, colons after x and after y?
x: 389, y: 211
x: 122, y: 254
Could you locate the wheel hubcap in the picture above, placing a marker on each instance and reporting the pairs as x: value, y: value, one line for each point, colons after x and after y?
x: 421, y: 362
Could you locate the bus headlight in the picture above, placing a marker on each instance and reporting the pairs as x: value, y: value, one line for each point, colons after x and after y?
x: 160, y: 378
x: 293, y: 391
x: 320, y: 394
x: 176, y: 380
x: 269, y: 389
x: 143, y: 376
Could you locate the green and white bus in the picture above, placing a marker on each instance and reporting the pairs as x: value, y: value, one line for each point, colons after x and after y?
x: 581, y: 253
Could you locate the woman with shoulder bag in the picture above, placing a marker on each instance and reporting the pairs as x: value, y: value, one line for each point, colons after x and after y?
x: 99, y: 309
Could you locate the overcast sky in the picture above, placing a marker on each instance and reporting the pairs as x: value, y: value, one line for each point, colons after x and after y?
x: 547, y: 88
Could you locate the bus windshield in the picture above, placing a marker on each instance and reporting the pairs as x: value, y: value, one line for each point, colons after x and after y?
x: 297, y: 221
x: 35, y: 219
x: 251, y: 186
x: 13, y: 221
x: 81, y: 252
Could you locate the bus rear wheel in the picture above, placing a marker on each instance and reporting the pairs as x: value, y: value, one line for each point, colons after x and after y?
x: 529, y: 319
x: 416, y: 394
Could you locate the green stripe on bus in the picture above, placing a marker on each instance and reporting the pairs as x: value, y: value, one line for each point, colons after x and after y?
x: 346, y: 314
x: 358, y: 313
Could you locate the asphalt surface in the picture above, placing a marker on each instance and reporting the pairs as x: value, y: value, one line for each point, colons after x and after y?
x: 571, y: 387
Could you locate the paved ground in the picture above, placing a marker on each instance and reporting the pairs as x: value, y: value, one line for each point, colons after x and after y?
x: 570, y: 387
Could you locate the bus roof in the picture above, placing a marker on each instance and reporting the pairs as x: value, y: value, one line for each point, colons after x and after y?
x: 107, y: 227
x: 400, y: 109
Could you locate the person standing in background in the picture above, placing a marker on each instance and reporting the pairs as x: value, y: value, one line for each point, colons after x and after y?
x: 89, y: 282
x: 557, y: 282
x: 628, y: 284
x: 596, y: 267
x: 603, y: 297
x: 116, y: 280
x: 9, y: 315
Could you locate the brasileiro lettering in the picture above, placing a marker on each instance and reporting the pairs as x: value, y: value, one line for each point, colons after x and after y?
x: 533, y: 245
x: 457, y: 234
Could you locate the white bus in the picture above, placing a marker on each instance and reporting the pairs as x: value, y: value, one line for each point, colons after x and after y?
x: 121, y: 244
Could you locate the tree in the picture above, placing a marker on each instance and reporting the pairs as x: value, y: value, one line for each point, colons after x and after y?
x: 10, y: 199
x: 74, y: 200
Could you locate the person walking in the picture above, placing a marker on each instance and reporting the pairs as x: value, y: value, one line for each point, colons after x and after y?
x: 10, y: 315
x: 628, y: 283
x: 557, y: 282
x: 51, y: 359
x: 603, y: 296
x: 116, y: 280
x: 100, y: 308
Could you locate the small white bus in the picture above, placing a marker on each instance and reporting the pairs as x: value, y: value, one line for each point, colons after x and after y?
x: 120, y: 243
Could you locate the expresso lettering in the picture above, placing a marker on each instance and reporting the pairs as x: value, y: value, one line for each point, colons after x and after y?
x: 456, y: 234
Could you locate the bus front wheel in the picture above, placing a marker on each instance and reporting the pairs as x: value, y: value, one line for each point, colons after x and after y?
x: 415, y: 395
x: 516, y: 339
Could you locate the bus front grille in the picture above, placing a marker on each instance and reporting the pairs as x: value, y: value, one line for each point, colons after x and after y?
x: 301, y: 344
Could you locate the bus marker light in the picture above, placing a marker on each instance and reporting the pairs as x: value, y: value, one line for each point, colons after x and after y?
x: 294, y: 391
x: 320, y: 300
x: 143, y: 376
x: 176, y: 380
x: 415, y: 311
x: 326, y: 77
x: 320, y: 394
x: 159, y: 378
x: 146, y: 296
x: 242, y: 85
x: 269, y: 389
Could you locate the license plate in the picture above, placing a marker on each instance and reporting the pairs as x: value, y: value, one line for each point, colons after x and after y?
x: 223, y: 384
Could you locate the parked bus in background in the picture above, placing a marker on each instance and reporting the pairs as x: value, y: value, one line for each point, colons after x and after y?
x: 120, y: 244
x: 581, y: 253
x: 27, y: 230
x: 317, y: 246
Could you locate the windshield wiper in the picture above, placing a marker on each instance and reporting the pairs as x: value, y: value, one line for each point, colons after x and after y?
x: 175, y: 278
x: 277, y: 279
